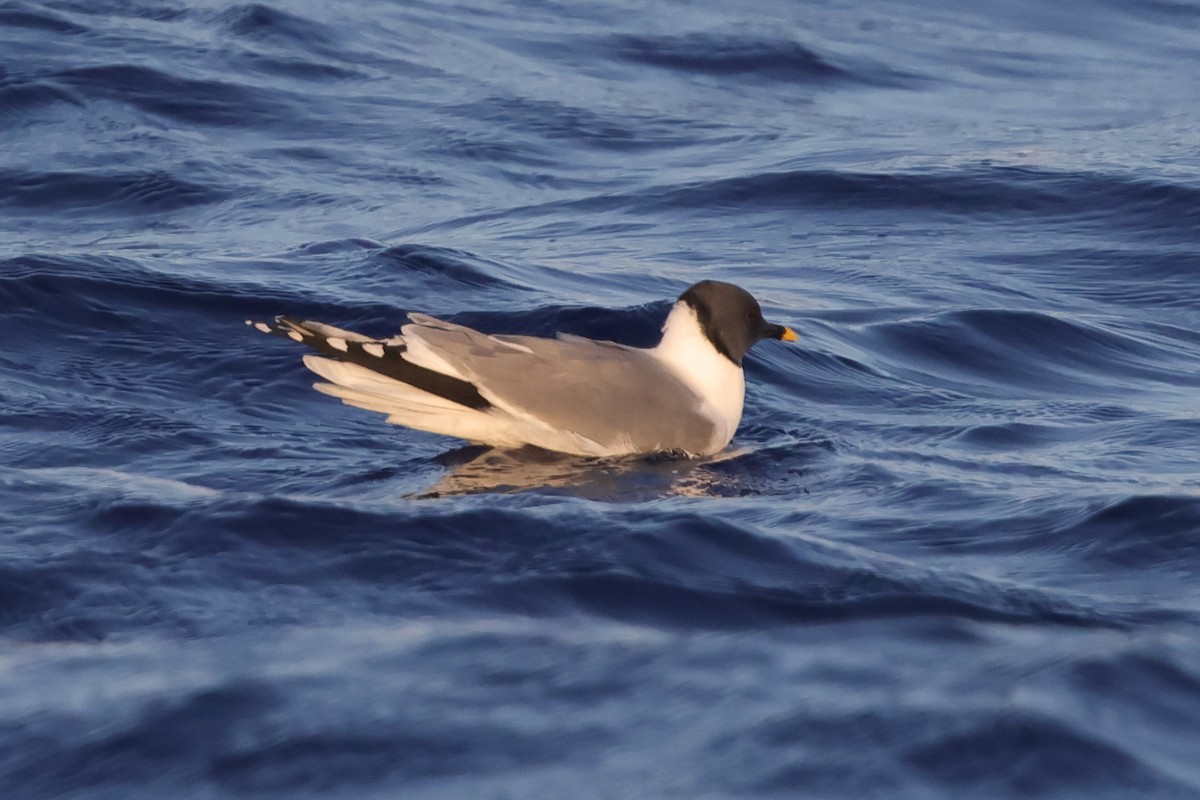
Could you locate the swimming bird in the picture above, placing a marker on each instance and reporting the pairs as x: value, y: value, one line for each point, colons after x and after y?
x: 569, y: 394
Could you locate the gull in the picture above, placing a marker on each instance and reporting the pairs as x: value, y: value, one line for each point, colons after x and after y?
x: 568, y: 394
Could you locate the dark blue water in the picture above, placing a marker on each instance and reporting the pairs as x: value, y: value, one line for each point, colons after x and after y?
x: 954, y: 549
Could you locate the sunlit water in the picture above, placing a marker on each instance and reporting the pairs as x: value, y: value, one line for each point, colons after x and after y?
x: 952, y: 552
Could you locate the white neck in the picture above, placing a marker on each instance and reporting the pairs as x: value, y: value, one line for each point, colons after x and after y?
x: 693, y: 358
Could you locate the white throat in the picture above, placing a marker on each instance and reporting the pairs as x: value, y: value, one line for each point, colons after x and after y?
x: 695, y: 360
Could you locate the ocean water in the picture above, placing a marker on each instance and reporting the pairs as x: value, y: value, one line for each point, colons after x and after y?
x: 954, y: 550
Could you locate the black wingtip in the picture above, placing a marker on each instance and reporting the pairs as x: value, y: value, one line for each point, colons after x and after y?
x: 383, y: 357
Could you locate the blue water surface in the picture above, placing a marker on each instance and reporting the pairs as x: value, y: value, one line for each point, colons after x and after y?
x: 953, y: 551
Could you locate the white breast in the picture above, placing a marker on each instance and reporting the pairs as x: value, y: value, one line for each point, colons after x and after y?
x: 693, y: 358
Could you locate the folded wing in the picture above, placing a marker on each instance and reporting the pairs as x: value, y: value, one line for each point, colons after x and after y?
x: 569, y: 394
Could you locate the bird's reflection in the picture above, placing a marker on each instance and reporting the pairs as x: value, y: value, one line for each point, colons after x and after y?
x: 477, y: 469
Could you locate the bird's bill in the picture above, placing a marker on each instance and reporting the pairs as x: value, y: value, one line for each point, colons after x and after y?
x: 782, y: 332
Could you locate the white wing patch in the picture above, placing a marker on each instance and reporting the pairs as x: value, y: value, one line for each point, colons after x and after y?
x: 504, y: 342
